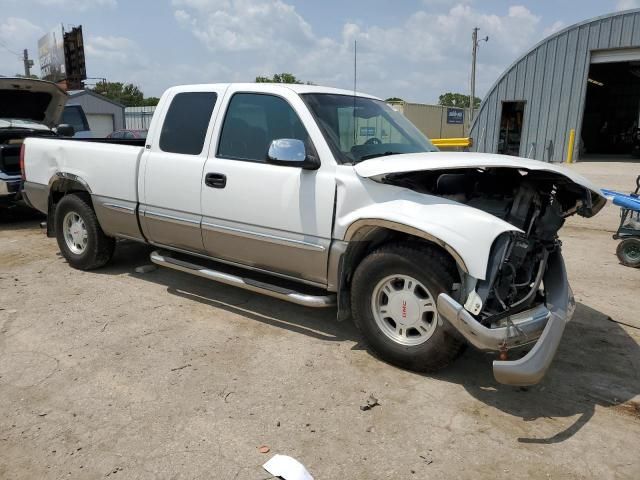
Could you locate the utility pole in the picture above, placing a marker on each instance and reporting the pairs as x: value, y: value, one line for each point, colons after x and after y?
x: 355, y: 77
x: 474, y: 38
x: 27, y: 63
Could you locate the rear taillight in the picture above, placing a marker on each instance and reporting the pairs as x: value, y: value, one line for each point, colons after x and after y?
x: 22, y: 147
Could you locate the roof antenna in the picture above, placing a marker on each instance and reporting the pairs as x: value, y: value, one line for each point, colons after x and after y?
x: 355, y: 76
x: 355, y: 65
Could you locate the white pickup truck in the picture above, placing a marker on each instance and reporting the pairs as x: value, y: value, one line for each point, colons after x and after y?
x: 321, y: 197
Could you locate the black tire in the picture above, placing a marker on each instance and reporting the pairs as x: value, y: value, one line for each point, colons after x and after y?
x: 99, y: 248
x: 433, y: 270
x: 628, y: 252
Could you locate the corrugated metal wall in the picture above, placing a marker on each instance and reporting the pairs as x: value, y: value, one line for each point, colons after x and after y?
x: 138, y: 118
x: 432, y: 119
x: 552, y: 80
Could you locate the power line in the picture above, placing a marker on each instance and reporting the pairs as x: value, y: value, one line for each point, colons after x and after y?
x: 4, y: 45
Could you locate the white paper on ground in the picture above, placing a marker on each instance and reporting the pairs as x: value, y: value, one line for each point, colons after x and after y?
x: 287, y: 467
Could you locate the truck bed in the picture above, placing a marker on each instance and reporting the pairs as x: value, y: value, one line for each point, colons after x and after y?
x: 110, y: 166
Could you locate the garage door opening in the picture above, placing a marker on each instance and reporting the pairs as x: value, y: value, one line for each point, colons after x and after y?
x: 101, y: 124
x: 510, y: 128
x: 611, y: 110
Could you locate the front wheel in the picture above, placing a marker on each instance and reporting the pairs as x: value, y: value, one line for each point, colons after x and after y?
x: 80, y: 238
x: 628, y: 252
x: 394, y: 295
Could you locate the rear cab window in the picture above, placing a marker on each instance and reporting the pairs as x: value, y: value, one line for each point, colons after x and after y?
x: 185, y: 125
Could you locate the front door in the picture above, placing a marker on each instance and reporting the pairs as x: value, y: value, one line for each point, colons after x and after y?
x: 269, y: 217
x: 171, y: 169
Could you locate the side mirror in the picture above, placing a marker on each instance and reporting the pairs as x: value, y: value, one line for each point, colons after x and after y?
x: 292, y: 153
x: 65, y: 130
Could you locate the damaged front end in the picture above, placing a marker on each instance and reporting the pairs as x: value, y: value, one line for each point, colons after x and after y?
x: 525, y: 296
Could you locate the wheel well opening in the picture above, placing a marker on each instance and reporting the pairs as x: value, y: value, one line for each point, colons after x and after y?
x: 369, y: 238
x: 59, y: 189
x: 64, y: 186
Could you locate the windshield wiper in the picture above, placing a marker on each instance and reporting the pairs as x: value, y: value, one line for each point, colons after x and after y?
x: 376, y: 155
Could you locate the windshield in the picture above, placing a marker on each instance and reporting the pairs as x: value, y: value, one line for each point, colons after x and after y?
x: 359, y: 128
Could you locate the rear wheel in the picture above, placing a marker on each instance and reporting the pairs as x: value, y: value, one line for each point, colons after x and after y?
x: 80, y: 238
x: 628, y: 252
x: 394, y: 295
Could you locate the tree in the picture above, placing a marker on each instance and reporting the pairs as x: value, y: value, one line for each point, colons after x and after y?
x: 280, y: 78
x: 394, y: 99
x: 21, y: 75
x: 125, y: 93
x: 150, y: 101
x: 459, y: 100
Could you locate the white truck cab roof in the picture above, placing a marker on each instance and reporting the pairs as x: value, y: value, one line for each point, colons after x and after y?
x: 270, y: 88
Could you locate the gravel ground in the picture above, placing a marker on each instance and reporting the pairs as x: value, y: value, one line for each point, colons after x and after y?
x: 130, y: 375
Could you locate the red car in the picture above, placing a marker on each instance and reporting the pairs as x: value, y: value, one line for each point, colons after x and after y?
x: 128, y: 134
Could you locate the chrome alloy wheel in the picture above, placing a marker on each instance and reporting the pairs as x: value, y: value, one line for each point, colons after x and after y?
x: 75, y: 233
x: 404, y: 310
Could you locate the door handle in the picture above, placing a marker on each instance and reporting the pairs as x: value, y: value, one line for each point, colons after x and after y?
x: 215, y: 180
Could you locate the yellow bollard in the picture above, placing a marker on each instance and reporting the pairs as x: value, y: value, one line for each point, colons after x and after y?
x: 572, y: 140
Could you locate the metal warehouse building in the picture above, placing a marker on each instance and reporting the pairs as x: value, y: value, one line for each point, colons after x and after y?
x: 435, y: 121
x: 585, y: 77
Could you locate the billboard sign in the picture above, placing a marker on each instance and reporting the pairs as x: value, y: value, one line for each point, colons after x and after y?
x: 74, y: 58
x: 455, y: 116
x: 51, y: 55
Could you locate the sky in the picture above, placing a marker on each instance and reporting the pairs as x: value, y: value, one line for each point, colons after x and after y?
x: 412, y: 49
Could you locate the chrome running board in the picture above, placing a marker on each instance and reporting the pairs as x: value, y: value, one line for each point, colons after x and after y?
x: 165, y: 259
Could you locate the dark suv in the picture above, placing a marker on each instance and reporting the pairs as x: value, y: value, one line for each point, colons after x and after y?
x: 28, y: 108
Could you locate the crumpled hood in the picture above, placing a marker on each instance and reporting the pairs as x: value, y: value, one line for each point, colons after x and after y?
x: 378, y: 168
x: 29, y: 99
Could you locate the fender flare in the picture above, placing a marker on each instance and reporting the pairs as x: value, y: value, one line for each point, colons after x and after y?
x: 339, y: 271
x: 65, y: 176
x: 61, y: 178
x: 400, y: 227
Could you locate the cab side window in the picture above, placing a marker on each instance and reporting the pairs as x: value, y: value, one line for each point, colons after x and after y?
x: 185, y: 125
x: 253, y: 121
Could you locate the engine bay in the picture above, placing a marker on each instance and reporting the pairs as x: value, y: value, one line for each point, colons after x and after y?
x: 535, y: 202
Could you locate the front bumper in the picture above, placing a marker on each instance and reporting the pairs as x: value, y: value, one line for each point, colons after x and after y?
x: 543, y: 325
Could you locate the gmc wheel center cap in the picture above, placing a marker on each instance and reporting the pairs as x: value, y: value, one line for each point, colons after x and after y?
x: 404, y: 308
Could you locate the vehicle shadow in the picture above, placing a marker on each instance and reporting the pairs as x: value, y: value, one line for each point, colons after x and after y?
x: 598, y: 363
x: 20, y: 218
x: 315, y: 322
